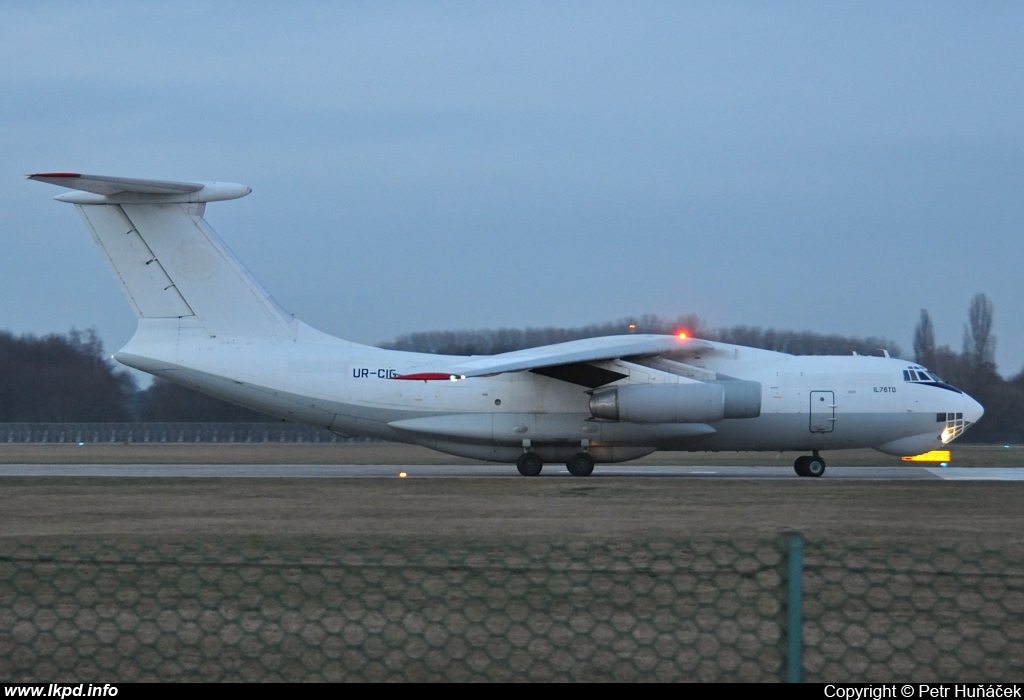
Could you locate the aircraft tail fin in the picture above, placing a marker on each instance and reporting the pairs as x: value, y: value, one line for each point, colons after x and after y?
x: 169, y: 261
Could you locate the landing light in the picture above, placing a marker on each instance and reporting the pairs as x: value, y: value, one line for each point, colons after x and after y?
x: 402, y: 475
x: 933, y: 456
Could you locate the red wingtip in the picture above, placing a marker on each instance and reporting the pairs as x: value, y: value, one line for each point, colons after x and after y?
x: 56, y: 175
x: 425, y: 376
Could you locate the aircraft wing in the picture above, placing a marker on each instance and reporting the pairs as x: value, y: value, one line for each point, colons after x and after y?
x: 612, y: 347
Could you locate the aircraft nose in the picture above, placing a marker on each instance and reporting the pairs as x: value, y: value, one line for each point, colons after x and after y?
x: 973, y: 411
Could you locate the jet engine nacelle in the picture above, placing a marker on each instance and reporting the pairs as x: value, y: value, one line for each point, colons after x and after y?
x: 698, y: 402
x: 661, y: 403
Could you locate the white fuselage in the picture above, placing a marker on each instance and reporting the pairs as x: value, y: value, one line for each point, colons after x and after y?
x: 806, y: 402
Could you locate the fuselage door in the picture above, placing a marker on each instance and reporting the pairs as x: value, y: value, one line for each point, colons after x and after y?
x: 823, y: 411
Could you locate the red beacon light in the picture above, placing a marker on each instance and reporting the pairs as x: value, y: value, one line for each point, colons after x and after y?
x: 682, y: 335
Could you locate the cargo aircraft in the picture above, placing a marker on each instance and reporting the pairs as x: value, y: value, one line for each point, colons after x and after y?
x: 204, y: 322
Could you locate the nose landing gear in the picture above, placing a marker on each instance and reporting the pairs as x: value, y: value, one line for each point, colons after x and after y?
x: 809, y: 466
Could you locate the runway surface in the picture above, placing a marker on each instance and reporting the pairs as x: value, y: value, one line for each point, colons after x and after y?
x: 349, y: 471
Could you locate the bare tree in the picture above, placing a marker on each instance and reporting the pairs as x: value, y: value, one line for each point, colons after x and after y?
x: 924, y: 340
x: 979, y: 343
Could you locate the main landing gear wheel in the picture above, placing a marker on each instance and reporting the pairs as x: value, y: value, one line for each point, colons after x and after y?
x: 809, y: 466
x: 580, y: 464
x: 800, y: 466
x: 529, y: 464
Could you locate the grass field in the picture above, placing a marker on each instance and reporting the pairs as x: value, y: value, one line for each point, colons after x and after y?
x: 456, y: 509
x: 508, y: 510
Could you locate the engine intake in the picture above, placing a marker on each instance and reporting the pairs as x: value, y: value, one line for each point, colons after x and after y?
x: 697, y: 402
x: 661, y: 403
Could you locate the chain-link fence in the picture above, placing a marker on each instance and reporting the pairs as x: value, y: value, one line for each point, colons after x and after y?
x: 660, y: 611
x: 90, y: 433
x: 951, y: 612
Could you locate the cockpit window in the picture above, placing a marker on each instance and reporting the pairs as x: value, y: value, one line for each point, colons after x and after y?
x: 919, y: 375
x: 911, y: 375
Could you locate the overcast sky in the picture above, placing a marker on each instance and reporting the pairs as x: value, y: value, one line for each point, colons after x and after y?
x: 422, y: 166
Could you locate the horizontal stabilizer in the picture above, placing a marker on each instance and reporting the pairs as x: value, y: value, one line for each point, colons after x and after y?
x: 103, y: 189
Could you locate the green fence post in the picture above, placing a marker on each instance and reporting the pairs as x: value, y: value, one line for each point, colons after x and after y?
x: 795, y: 633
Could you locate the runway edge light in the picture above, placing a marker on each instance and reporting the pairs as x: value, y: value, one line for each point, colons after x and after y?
x: 933, y: 456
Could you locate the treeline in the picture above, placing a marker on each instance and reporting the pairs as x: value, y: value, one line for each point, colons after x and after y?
x: 488, y: 342
x: 68, y: 378
x: 61, y: 378
x: 492, y: 341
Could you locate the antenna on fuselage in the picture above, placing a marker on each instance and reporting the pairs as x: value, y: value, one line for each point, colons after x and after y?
x: 884, y: 352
